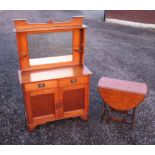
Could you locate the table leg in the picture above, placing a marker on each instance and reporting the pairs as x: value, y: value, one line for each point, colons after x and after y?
x: 125, y: 116
x: 133, y: 117
x: 104, y: 111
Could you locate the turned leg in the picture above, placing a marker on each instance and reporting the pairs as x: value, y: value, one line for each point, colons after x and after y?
x: 124, y: 119
x: 125, y: 116
x: 133, y: 117
x: 104, y: 111
x: 108, y: 116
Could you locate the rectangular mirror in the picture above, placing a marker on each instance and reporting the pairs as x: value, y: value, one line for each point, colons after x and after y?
x: 50, y: 48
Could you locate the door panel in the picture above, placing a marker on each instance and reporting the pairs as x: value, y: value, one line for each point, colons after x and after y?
x: 42, y: 104
x: 73, y: 99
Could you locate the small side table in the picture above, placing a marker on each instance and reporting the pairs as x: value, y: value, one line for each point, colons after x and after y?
x: 120, y: 96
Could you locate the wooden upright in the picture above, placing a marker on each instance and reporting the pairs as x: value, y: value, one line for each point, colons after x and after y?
x: 53, y: 89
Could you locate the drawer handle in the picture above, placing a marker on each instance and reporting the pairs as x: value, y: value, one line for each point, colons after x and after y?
x: 73, y: 81
x: 41, y: 85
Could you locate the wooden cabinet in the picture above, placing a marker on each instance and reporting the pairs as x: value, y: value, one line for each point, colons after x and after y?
x: 53, y: 90
x: 57, y: 99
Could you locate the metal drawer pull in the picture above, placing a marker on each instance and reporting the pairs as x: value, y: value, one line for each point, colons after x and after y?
x: 73, y: 81
x: 41, y: 85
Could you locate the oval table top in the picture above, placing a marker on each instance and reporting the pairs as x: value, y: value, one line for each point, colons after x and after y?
x: 120, y: 94
x: 123, y: 85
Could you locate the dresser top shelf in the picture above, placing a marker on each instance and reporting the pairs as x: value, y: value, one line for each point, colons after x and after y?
x: 22, y: 25
x: 53, y: 74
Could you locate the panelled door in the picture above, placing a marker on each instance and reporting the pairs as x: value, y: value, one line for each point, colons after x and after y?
x: 41, y: 105
x: 74, y: 100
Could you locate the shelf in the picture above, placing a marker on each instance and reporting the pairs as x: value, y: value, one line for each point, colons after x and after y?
x: 47, y: 29
x: 50, y: 60
x: 52, y: 74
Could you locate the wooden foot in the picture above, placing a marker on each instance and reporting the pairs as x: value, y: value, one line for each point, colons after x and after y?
x: 84, y: 117
x: 31, y: 127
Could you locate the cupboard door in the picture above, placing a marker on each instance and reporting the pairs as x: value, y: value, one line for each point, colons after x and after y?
x: 42, y: 102
x: 74, y: 98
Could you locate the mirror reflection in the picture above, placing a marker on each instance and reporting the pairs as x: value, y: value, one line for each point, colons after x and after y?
x: 50, y: 45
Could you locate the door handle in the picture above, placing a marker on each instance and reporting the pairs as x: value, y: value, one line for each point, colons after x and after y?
x: 41, y: 85
x: 73, y: 80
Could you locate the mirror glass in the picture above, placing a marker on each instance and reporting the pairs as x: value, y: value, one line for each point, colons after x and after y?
x: 50, y: 47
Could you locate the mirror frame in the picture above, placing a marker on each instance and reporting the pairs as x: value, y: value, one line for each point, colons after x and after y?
x: 23, y: 29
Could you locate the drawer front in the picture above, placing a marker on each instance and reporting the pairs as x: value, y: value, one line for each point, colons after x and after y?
x: 40, y: 85
x: 73, y: 81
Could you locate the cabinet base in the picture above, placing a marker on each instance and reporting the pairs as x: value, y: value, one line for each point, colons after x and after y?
x: 32, y: 126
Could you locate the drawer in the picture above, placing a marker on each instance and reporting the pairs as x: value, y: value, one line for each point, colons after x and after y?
x: 40, y: 85
x: 73, y: 81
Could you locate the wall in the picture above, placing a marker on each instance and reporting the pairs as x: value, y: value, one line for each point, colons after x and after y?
x: 140, y: 16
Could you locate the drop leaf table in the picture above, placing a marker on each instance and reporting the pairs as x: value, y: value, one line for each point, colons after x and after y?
x: 121, y: 96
